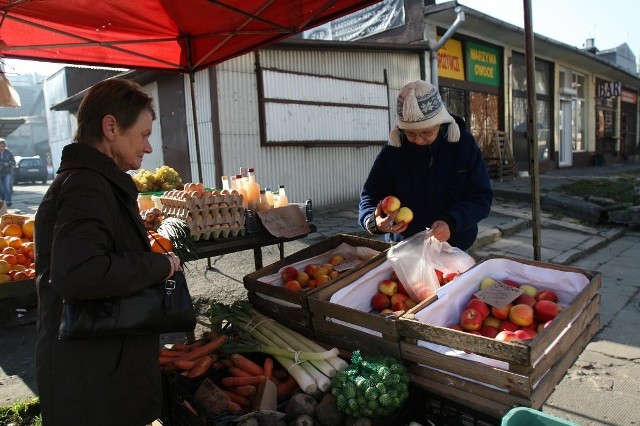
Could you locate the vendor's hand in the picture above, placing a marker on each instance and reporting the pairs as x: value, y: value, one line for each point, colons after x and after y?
x: 440, y: 230
x: 176, y: 265
x: 387, y: 224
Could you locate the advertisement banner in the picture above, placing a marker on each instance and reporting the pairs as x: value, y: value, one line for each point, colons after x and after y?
x: 371, y: 20
x: 482, y: 64
x: 450, y: 61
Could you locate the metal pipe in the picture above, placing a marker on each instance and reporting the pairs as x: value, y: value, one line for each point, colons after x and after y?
x: 447, y: 35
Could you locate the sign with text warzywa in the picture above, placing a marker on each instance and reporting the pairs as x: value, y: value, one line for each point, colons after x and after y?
x: 498, y: 294
x: 482, y: 64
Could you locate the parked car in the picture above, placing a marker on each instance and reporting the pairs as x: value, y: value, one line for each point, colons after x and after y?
x: 30, y: 169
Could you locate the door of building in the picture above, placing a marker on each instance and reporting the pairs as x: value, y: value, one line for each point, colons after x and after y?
x: 565, y: 151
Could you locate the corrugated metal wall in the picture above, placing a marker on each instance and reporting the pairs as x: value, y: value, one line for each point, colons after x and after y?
x: 330, y: 176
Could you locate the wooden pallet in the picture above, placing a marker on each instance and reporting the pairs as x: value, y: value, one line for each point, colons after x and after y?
x: 498, y: 157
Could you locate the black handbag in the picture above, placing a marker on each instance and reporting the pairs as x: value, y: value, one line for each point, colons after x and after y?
x: 163, y: 308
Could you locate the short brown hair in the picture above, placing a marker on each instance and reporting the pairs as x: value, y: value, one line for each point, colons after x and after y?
x: 122, y: 98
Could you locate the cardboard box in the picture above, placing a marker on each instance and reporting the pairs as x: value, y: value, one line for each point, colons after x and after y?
x: 342, y: 316
x: 266, y: 290
x: 492, y: 376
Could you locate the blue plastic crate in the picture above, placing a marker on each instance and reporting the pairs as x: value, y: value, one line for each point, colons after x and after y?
x: 523, y: 416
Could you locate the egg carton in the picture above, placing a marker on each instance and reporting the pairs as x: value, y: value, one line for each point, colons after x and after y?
x: 203, y: 234
x: 197, y: 201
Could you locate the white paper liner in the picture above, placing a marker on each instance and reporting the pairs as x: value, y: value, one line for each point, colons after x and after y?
x: 454, y: 296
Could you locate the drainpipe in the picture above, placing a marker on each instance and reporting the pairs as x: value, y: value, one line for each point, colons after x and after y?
x: 447, y: 35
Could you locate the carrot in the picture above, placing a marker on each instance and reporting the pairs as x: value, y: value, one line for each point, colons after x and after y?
x: 268, y: 367
x: 238, y: 372
x: 246, y: 364
x: 233, y: 407
x: 164, y: 360
x: 226, y: 362
x: 245, y: 390
x: 205, y: 349
x: 168, y: 353
x: 232, y: 381
x: 242, y: 401
x: 217, y: 365
x: 183, y: 364
x: 286, y: 388
x: 201, y: 367
x: 186, y: 347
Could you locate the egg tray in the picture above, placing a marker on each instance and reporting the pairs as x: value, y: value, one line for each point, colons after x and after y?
x: 208, y: 216
x: 188, y: 201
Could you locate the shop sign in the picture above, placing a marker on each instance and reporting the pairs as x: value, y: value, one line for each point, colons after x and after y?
x: 450, y: 63
x: 629, y: 97
x: 608, y: 89
x: 482, y: 64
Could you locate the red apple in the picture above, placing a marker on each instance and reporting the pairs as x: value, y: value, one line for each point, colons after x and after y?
x: 380, y: 301
x: 447, y: 278
x: 405, y: 215
x: 507, y: 325
x: 488, y: 331
x: 525, y: 333
x: 289, y: 273
x: 511, y: 283
x: 456, y: 327
x: 491, y: 321
x: 336, y: 260
x: 303, y: 278
x: 479, y: 306
x: 310, y: 268
x: 390, y: 204
x: 501, y: 313
x: 521, y: 315
x: 525, y: 299
x: 401, y: 288
x: 398, y: 297
x: 547, y: 295
x: 546, y: 310
x: 400, y: 306
x: 506, y: 336
x: 470, y: 319
x: 388, y: 287
x: 440, y: 276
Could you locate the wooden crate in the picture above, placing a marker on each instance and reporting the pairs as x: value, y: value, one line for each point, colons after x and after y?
x: 291, y: 308
x: 346, y: 327
x: 492, y: 376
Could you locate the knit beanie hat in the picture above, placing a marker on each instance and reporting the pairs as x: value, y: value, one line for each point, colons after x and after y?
x: 420, y: 107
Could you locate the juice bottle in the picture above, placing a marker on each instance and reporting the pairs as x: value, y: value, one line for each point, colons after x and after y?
x: 282, y: 197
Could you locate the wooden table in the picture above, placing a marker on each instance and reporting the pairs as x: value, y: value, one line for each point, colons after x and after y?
x: 255, y: 242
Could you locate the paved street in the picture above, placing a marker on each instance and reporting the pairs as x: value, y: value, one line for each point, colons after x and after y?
x: 601, y: 388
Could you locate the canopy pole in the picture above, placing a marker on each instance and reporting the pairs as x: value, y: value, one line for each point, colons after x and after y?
x: 532, y: 129
x: 194, y: 114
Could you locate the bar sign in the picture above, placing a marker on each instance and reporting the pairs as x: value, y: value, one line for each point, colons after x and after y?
x: 608, y: 89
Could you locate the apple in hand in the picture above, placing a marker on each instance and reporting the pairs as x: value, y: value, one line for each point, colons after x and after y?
x: 405, y: 215
x: 501, y: 313
x: 289, y: 273
x: 380, y: 302
x: 470, y: 319
x: 479, y: 306
x: 546, y: 310
x: 388, y: 287
x: 521, y: 315
x: 547, y: 295
x: 390, y: 204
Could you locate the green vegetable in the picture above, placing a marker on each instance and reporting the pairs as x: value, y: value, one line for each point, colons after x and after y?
x: 177, y: 231
x: 375, y: 387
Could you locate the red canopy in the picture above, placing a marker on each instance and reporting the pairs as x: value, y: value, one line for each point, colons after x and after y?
x: 177, y: 35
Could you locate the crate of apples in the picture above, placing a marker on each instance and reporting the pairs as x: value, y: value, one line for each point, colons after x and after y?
x: 521, y: 319
x: 312, y: 275
x: 391, y: 297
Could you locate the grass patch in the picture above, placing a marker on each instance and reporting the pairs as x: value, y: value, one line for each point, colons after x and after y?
x: 619, y: 188
x: 21, y: 414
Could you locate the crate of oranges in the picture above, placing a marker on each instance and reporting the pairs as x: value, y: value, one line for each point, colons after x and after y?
x: 17, y: 268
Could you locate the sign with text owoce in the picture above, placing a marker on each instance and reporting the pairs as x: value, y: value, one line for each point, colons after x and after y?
x: 482, y: 64
x: 371, y: 20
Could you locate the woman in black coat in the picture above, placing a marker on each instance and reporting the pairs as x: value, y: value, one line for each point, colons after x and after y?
x: 91, y: 244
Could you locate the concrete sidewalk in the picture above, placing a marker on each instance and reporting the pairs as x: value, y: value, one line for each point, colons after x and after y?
x: 601, y: 388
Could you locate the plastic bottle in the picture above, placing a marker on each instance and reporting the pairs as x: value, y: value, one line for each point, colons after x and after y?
x: 270, y: 197
x: 225, y: 183
x: 282, y: 197
x: 242, y: 190
x: 253, y: 189
x: 264, y: 203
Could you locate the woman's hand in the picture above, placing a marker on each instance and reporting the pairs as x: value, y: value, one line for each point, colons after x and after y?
x: 440, y: 230
x: 175, y: 263
x: 387, y: 223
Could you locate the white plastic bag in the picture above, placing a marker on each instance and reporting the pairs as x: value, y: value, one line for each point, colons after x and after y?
x: 415, y: 260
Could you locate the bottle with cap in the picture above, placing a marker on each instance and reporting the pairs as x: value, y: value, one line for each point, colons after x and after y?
x: 269, y: 196
x: 253, y: 189
x: 282, y: 197
x: 264, y: 203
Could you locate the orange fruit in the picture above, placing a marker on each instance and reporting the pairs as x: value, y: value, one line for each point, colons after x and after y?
x: 3, y: 242
x: 293, y: 285
x: 27, y: 228
x: 20, y: 275
x: 160, y: 243
x: 12, y: 230
x: 15, y: 242
x: 9, y: 250
x: 4, y: 278
x: 18, y: 267
x: 11, y: 259
x: 4, y: 266
x: 22, y: 259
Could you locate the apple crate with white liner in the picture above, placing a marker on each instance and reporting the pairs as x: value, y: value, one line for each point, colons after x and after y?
x: 265, y: 287
x: 493, y: 376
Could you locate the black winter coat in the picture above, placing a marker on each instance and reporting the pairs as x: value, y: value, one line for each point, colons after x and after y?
x: 89, y: 245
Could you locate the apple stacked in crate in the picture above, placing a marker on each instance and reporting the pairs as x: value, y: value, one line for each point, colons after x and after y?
x: 210, y: 214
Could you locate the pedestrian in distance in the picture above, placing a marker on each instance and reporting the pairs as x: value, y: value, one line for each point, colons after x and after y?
x: 7, y: 165
x: 434, y: 166
x: 92, y: 244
